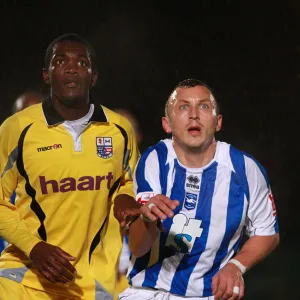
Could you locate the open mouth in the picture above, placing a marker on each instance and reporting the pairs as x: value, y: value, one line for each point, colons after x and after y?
x: 194, y: 130
x: 71, y: 83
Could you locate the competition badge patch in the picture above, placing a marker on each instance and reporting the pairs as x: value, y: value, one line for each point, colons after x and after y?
x: 144, y: 197
x: 104, y: 147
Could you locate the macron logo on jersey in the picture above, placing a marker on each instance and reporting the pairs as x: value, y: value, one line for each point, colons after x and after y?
x: 55, y: 146
x: 68, y: 184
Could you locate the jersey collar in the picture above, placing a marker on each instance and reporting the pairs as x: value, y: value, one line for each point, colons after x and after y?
x: 53, y: 117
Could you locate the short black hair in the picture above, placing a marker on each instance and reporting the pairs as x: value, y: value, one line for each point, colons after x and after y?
x: 72, y: 37
x: 189, y: 83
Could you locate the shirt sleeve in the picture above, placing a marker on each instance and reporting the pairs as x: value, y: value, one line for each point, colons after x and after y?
x: 130, y: 159
x: 12, y: 228
x: 147, y: 176
x: 261, y: 216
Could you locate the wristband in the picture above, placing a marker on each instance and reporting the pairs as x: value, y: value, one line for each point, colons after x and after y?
x: 242, y: 268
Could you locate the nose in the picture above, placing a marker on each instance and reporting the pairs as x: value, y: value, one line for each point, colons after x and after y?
x: 71, y: 68
x: 194, y: 114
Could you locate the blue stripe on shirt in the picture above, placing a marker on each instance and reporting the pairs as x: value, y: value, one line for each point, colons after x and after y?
x: 142, y: 184
x: 162, y: 153
x: 177, y: 193
x: 233, y: 219
x: 187, y: 265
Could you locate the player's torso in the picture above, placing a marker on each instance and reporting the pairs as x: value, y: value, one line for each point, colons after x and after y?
x: 212, y: 209
x: 66, y: 182
x: 202, y: 235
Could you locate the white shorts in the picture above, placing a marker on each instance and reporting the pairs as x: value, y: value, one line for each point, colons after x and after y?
x: 132, y: 293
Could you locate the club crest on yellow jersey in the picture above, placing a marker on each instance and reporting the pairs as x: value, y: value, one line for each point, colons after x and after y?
x: 104, y: 147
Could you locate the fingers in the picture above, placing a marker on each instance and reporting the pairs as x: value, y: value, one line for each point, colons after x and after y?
x: 47, y: 274
x: 220, y: 293
x: 235, y: 291
x: 63, y: 259
x: 65, y: 254
x: 55, y: 271
x: 163, y: 207
x: 161, y: 211
x: 242, y: 289
x: 227, y: 287
x: 60, y: 273
x: 215, y: 283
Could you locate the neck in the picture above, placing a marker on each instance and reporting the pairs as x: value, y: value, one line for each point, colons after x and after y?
x: 72, y: 111
x: 195, y: 158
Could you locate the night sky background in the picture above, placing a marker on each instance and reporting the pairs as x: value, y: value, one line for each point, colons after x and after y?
x: 246, y: 51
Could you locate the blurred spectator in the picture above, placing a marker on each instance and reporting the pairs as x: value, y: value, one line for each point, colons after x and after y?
x: 24, y: 100
x: 27, y: 99
x: 133, y: 120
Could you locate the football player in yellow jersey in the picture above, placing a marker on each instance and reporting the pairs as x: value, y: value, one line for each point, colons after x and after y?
x: 68, y: 160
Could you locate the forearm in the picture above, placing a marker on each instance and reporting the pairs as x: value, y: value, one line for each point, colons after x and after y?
x: 15, y: 231
x: 256, y: 249
x: 141, y: 236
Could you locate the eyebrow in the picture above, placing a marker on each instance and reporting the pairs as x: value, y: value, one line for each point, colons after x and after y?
x: 201, y: 100
x: 64, y: 55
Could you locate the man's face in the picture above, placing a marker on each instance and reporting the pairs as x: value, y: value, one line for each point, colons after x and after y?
x: 192, y: 118
x: 70, y: 72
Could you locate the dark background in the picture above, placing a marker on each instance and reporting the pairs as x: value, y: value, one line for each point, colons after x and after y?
x: 246, y: 51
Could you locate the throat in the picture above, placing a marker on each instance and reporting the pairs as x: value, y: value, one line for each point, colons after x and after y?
x: 71, y: 112
x: 195, y: 159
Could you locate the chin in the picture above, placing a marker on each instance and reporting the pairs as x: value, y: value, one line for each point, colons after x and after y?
x: 197, y: 145
x: 70, y: 100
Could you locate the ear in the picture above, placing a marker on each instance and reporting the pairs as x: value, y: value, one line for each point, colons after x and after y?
x: 46, y: 76
x: 94, y: 79
x: 166, y: 125
x: 219, y: 123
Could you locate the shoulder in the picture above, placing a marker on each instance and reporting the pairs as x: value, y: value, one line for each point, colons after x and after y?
x: 242, y: 161
x: 118, y: 120
x: 159, y: 152
x: 160, y: 148
x: 25, y: 117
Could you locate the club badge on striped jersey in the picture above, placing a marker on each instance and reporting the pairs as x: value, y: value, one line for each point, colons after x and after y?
x: 104, y: 147
x: 190, y: 201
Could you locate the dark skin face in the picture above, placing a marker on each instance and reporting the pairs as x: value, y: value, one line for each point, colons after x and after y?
x: 71, y: 77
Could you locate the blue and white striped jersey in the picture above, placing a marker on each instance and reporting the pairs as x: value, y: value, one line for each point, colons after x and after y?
x: 216, y: 202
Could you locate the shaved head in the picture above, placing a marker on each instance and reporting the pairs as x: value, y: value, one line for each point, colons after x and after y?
x: 185, y: 84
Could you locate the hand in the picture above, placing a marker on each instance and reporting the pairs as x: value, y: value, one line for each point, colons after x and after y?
x: 125, y: 206
x: 224, y: 282
x: 161, y: 208
x: 53, y: 263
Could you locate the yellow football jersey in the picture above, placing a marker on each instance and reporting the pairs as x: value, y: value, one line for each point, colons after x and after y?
x: 65, y: 189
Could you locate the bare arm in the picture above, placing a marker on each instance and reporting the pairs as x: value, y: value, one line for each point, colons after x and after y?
x: 256, y: 249
x: 144, y: 230
x: 141, y: 236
